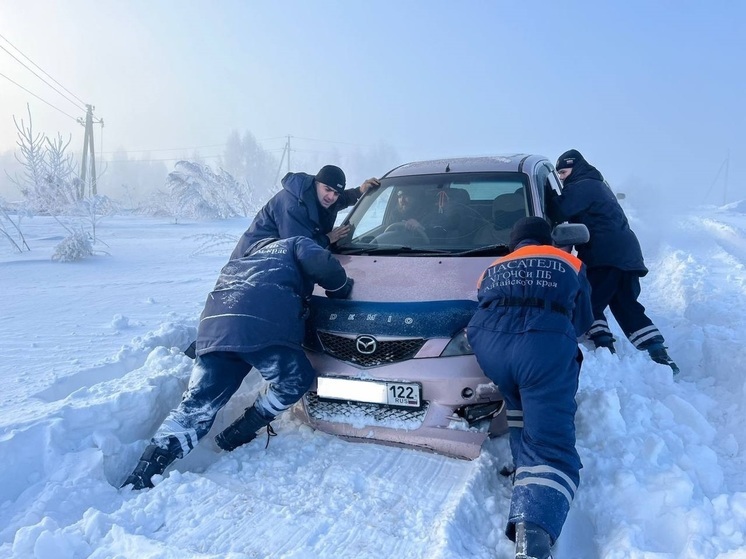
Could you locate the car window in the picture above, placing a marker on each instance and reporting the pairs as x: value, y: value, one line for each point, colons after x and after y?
x: 372, y: 217
x: 488, y: 190
x: 444, y: 212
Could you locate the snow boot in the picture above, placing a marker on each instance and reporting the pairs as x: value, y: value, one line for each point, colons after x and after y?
x: 154, y: 461
x: 658, y: 353
x: 242, y: 430
x: 605, y: 340
x: 531, y: 542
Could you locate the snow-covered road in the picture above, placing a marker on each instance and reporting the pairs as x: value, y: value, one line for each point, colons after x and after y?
x: 89, y: 356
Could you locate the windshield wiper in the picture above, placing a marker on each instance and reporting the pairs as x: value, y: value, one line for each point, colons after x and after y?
x: 498, y: 250
x: 373, y: 249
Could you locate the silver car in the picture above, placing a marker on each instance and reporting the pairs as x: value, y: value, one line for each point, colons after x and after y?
x: 394, y: 365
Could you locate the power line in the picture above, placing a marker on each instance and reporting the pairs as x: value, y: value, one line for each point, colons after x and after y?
x: 42, y: 79
x: 39, y: 98
x: 41, y: 70
x: 166, y: 149
x: 333, y: 142
x: 185, y: 148
x: 164, y: 159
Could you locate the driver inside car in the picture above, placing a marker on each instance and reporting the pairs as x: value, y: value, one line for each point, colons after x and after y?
x: 421, y: 213
x: 409, y: 211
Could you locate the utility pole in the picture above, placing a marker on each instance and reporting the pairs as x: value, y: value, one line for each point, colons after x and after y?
x: 88, y: 146
x: 288, y: 148
x: 285, y: 150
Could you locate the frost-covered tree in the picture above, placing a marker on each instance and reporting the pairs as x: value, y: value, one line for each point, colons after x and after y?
x: 92, y: 210
x: 50, y: 186
x: 76, y: 246
x: 49, y: 180
x: 194, y: 191
x: 202, y: 193
x: 31, y: 156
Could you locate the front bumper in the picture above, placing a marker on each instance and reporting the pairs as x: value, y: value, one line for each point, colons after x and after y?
x: 449, y: 386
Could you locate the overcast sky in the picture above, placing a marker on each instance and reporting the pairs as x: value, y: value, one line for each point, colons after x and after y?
x: 650, y: 92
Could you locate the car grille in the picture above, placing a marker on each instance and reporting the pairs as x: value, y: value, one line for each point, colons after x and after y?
x: 387, y: 351
x: 360, y: 414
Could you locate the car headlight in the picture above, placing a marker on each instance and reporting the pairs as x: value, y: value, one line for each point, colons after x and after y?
x: 458, y: 345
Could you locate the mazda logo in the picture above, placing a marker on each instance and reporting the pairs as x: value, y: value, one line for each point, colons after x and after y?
x: 366, y: 344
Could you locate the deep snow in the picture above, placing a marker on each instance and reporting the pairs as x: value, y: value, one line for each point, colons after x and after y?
x: 90, y: 361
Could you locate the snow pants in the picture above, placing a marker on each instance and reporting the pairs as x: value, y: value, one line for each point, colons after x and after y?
x: 217, y: 376
x: 619, y: 290
x: 537, y: 373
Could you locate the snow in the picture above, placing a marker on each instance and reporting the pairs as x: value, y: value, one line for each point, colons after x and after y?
x: 90, y: 362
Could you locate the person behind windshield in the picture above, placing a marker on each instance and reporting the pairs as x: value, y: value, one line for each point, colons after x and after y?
x: 254, y: 317
x: 409, y: 211
x: 415, y: 213
x: 613, y: 256
x: 306, y: 206
x: 533, y: 305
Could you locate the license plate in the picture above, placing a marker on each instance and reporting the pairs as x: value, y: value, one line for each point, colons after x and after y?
x: 402, y: 394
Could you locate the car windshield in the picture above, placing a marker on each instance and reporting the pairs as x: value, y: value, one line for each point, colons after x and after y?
x: 444, y: 214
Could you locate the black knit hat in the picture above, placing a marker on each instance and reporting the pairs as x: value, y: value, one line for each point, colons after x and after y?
x: 332, y: 176
x: 569, y: 159
x: 534, y: 228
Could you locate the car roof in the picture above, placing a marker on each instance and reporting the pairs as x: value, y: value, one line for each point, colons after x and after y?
x: 490, y: 163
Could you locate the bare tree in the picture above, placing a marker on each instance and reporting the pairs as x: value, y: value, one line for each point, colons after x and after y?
x: 31, y: 147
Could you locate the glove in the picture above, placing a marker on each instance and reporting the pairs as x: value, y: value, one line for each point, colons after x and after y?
x: 343, y: 292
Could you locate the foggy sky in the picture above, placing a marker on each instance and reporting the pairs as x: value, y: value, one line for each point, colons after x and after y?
x: 652, y: 93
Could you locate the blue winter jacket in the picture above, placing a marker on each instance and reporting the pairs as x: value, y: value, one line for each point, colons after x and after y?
x: 260, y: 300
x: 295, y: 211
x: 587, y: 199
x: 535, y: 287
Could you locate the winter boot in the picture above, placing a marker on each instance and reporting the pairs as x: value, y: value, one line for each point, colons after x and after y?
x: 154, y: 461
x: 242, y: 430
x: 658, y: 353
x: 605, y: 340
x: 531, y: 542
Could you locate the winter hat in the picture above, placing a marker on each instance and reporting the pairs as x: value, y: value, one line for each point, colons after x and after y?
x: 332, y: 176
x: 569, y: 159
x: 534, y: 228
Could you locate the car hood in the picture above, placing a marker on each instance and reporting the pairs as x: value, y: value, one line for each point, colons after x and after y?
x: 397, y: 279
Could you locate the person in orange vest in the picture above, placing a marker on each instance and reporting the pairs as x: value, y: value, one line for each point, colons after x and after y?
x: 534, y: 303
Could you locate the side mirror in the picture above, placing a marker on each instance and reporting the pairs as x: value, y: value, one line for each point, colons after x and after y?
x: 620, y: 195
x: 568, y: 234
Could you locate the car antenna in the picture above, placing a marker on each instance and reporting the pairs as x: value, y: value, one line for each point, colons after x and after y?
x: 448, y: 167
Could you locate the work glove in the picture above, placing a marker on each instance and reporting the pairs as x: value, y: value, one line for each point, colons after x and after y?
x: 343, y: 292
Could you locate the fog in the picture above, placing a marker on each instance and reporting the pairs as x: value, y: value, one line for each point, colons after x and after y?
x: 648, y: 92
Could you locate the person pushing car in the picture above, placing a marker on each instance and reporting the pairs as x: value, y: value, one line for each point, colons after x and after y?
x: 255, y: 316
x: 533, y: 305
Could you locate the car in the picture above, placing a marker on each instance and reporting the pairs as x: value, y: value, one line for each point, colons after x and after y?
x: 394, y: 364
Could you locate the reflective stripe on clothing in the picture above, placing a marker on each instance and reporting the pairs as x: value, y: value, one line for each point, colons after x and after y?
x: 269, y: 404
x: 515, y: 418
x: 548, y: 477
x: 643, y: 335
x: 599, y: 327
x: 186, y: 436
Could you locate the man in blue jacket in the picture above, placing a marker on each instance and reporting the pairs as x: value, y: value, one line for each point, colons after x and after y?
x: 533, y: 305
x: 255, y: 316
x: 306, y: 206
x: 613, y: 257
